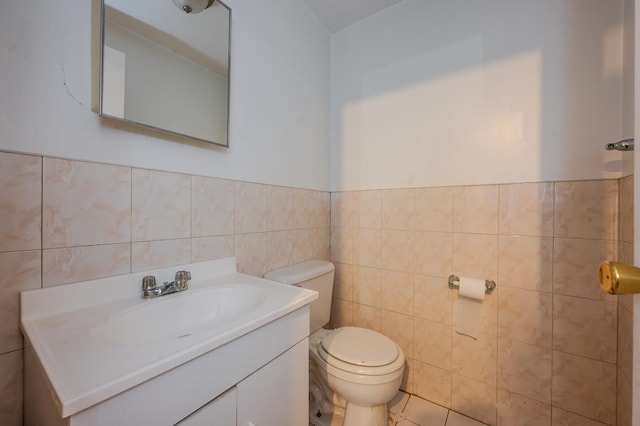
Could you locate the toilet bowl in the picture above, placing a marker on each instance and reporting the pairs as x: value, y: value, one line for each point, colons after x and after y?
x: 353, y: 372
x: 363, y: 367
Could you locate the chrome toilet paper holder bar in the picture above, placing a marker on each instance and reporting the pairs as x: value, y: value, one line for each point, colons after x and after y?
x: 454, y: 282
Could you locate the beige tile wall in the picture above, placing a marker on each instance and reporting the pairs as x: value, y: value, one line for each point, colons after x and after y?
x: 537, y: 359
x: 625, y: 306
x: 65, y: 221
x: 547, y: 352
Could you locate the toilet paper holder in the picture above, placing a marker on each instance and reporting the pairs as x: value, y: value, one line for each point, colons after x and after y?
x: 454, y: 282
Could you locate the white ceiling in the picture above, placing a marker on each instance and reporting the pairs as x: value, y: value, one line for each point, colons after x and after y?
x: 339, y: 14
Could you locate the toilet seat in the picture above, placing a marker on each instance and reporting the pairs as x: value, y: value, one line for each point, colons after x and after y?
x: 360, y: 351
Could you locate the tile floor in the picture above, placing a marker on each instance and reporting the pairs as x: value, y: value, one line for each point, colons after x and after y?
x: 410, y: 410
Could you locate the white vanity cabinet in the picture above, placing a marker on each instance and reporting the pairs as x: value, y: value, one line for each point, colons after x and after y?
x: 278, y: 393
x: 275, y: 395
x: 265, y: 374
x: 219, y: 412
x: 249, y: 367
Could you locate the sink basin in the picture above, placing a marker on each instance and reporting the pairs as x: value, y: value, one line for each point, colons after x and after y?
x: 181, y: 315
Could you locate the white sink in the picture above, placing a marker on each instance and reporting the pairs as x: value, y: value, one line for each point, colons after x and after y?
x: 180, y: 315
x: 97, y: 340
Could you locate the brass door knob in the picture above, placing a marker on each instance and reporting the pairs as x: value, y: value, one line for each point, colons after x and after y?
x: 618, y: 278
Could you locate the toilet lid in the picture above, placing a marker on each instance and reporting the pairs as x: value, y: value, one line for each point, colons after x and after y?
x: 360, y: 346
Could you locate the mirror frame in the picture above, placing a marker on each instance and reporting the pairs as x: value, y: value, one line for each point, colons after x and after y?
x: 97, y: 65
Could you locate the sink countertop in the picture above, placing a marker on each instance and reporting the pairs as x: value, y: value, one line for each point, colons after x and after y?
x: 85, y: 369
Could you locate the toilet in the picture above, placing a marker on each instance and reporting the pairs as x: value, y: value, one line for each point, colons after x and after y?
x: 353, y: 372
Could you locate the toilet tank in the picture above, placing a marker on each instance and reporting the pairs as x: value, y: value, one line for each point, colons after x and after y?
x: 315, y: 275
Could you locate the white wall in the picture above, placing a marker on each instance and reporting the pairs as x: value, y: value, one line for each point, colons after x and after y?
x: 628, y: 109
x: 452, y: 92
x: 280, y: 84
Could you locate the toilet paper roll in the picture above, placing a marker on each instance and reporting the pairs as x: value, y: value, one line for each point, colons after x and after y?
x: 470, y: 299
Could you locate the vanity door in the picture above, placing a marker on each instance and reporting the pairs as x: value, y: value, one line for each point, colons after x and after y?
x: 219, y: 412
x: 278, y: 393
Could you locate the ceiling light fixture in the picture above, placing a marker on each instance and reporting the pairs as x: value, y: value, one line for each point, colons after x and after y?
x: 193, y: 6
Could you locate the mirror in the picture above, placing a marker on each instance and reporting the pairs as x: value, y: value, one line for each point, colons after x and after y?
x: 161, y: 68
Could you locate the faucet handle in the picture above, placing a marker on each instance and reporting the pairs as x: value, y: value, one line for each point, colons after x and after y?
x: 182, y: 280
x: 148, y: 283
x: 183, y: 276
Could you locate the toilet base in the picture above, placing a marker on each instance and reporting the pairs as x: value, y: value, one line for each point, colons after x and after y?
x: 356, y: 415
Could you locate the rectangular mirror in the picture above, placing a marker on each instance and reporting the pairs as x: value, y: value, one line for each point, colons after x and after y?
x: 164, y: 65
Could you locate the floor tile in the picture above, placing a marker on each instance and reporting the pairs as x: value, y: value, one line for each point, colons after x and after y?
x: 397, y: 404
x: 456, y: 419
x: 424, y: 413
x: 406, y: 423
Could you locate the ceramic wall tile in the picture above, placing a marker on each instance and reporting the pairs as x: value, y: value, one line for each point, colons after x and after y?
x: 279, y: 249
x: 342, y: 242
x: 626, y: 209
x: 575, y: 266
x: 304, y: 215
x: 525, y: 262
x: 434, y: 209
x: 624, y: 406
x: 625, y: 301
x: 625, y: 341
x: 21, y: 271
x: 584, y: 386
x: 161, y: 205
x: 211, y: 248
x: 251, y: 253
x: 432, y: 343
x: 367, y: 247
x: 398, y: 209
x: 476, y: 256
x: 322, y: 208
x: 397, y: 291
x: 20, y: 202
x: 475, y: 358
x: 475, y: 209
x: 149, y: 255
x: 560, y: 417
x: 85, y: 204
x: 433, y: 253
x: 524, y: 369
x: 474, y: 399
x: 432, y: 383
x: 397, y: 252
x: 368, y: 209
x: 342, y: 209
x: 432, y: 299
x: 251, y: 207
x: 527, y: 209
x: 279, y: 208
x: 367, y: 287
x: 302, y: 240
x: 321, y: 243
x: 343, y: 282
x: 70, y: 265
x: 525, y: 316
x: 408, y: 376
x: 399, y: 328
x: 11, y: 388
x: 625, y: 252
x: 367, y: 317
x: 341, y: 313
x: 586, y: 209
x: 514, y: 409
x: 585, y: 327
x: 213, y: 206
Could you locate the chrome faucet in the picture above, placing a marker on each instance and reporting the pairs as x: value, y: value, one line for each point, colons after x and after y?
x: 151, y: 290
